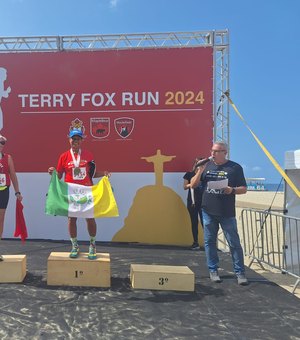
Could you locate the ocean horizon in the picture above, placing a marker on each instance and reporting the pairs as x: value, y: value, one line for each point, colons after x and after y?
x: 274, y: 187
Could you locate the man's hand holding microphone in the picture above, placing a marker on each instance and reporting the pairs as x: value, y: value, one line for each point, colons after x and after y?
x: 199, y: 168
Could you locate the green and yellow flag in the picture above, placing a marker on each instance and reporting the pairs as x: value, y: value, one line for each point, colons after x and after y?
x: 75, y: 200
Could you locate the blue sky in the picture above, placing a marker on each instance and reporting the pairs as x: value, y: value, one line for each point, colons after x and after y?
x: 264, y: 55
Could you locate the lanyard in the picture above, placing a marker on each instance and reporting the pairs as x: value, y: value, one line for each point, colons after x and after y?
x: 76, y: 162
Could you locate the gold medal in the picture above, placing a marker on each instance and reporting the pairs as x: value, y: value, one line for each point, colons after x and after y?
x: 76, y: 163
x: 76, y: 171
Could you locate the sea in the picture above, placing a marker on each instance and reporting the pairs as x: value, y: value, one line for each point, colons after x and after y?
x: 274, y: 187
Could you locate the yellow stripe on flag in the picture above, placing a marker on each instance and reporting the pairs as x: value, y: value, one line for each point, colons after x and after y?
x: 271, y: 158
x: 104, y: 201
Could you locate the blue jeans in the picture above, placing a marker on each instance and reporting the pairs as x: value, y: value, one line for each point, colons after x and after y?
x: 229, y: 227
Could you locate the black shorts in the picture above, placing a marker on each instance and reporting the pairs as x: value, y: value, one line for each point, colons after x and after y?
x: 4, y: 197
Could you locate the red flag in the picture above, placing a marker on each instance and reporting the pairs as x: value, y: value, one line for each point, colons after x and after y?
x: 21, y: 229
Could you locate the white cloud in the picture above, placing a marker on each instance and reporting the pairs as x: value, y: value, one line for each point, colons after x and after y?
x: 113, y: 3
x: 256, y: 168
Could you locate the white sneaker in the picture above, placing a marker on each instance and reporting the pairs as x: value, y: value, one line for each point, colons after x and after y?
x: 242, y: 280
x: 214, y: 276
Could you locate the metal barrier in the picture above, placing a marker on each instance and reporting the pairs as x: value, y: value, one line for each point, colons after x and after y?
x: 273, y: 239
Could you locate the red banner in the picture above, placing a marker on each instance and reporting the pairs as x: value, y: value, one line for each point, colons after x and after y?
x: 130, y: 103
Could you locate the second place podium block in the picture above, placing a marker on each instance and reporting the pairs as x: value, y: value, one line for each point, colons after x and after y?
x: 12, y: 268
x: 64, y: 271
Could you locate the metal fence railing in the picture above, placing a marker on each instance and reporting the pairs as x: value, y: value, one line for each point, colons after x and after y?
x: 273, y: 239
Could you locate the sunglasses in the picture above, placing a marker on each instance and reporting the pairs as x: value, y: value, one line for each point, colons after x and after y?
x: 2, y: 142
x: 217, y: 151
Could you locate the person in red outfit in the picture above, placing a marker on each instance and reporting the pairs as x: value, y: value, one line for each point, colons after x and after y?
x: 7, y: 176
x: 78, y: 166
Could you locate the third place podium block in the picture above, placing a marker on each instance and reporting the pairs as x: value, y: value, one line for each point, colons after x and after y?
x: 64, y: 271
x: 160, y: 277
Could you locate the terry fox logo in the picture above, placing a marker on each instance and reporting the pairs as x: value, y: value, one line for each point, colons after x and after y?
x: 124, y: 126
x: 100, y: 127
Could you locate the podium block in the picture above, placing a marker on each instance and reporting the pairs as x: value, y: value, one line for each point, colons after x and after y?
x: 12, y: 268
x: 159, y: 277
x: 64, y: 271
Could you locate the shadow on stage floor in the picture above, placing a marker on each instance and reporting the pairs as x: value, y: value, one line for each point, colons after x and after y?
x: 34, y: 310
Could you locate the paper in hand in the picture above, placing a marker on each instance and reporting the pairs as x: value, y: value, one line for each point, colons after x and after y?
x: 223, y: 183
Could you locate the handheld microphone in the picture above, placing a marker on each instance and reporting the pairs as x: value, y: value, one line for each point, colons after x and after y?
x: 203, y: 161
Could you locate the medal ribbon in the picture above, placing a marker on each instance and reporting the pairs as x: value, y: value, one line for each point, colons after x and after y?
x: 76, y: 162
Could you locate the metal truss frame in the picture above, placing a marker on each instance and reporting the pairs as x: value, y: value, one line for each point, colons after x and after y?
x: 218, y: 39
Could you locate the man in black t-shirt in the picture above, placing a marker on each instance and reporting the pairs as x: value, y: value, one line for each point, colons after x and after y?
x: 221, y: 180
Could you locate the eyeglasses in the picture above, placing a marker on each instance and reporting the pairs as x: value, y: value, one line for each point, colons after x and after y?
x: 218, y: 151
x: 2, y: 142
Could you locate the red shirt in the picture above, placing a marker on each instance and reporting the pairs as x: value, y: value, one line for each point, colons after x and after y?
x: 4, y: 169
x: 66, y: 165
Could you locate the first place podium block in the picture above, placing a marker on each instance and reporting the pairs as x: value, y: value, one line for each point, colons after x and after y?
x: 12, y: 268
x: 64, y: 271
x: 160, y: 277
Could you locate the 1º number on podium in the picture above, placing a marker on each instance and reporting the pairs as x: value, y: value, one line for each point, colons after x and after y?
x: 78, y: 273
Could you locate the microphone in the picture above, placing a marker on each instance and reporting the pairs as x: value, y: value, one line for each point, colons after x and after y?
x: 203, y: 161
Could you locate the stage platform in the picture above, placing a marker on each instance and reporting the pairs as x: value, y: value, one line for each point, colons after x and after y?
x: 33, y: 310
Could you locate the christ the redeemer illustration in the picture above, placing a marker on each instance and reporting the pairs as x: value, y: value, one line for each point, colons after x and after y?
x: 158, y: 160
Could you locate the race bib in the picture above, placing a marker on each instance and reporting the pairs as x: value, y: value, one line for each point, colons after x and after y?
x: 79, y: 173
x: 2, y: 180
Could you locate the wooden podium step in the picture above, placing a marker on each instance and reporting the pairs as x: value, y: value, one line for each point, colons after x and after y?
x: 13, y: 268
x: 160, y: 277
x: 64, y: 271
